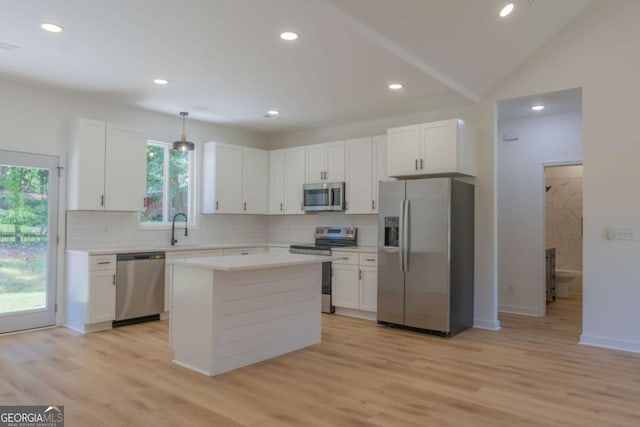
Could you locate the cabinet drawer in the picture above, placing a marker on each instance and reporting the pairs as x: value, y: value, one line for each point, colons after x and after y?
x: 369, y: 259
x: 244, y: 251
x: 102, y: 262
x: 349, y: 258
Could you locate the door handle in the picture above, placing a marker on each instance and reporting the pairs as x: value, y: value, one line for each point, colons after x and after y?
x: 359, y: 274
x: 217, y: 205
x: 421, y: 163
x: 416, y: 164
x: 102, y: 200
x: 405, y: 237
x: 373, y: 205
x: 281, y: 207
x: 244, y: 206
x: 401, y: 236
x: 114, y: 280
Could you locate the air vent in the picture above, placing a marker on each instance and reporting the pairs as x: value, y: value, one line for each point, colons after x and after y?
x: 7, y: 46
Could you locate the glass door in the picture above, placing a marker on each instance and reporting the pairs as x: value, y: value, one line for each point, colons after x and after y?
x: 28, y: 240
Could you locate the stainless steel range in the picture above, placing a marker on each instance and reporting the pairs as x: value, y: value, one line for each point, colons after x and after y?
x: 327, y: 238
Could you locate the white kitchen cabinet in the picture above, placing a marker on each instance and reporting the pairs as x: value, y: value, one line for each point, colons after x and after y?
x: 221, y: 178
x: 403, y: 150
x: 440, y: 148
x: 325, y: 162
x: 102, y: 296
x: 294, y: 179
x: 90, y: 291
x: 234, y: 179
x: 276, y: 182
x: 366, y: 166
x: 106, y: 167
x: 354, y: 283
x: 255, y: 182
x: 345, y: 286
x: 368, y: 287
x: 359, y: 187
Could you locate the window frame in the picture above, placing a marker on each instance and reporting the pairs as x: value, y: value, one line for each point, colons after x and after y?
x: 192, y: 209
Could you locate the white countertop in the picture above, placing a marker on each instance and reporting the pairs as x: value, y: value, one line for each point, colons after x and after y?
x: 211, y: 246
x: 251, y: 262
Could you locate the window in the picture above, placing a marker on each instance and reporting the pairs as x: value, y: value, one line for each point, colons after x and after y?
x: 170, y: 184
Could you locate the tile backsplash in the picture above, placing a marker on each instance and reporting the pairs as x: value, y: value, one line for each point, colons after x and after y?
x: 97, y: 230
x: 104, y: 230
x: 563, y: 215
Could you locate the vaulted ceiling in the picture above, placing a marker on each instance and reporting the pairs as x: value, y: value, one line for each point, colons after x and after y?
x: 226, y: 63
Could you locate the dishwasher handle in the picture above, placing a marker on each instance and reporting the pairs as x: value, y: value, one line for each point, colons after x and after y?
x: 141, y: 256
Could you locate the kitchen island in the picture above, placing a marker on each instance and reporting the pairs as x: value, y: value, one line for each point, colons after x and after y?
x: 233, y: 311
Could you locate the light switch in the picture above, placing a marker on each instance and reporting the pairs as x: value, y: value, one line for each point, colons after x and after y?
x: 619, y: 233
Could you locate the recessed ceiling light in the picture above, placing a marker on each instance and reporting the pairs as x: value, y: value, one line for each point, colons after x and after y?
x: 395, y: 86
x: 52, y: 28
x: 539, y: 107
x: 273, y: 112
x: 161, y: 81
x: 289, y: 36
x: 506, y: 11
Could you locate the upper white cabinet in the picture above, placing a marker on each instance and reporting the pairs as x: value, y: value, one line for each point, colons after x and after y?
x: 107, y: 167
x: 440, y: 148
x: 294, y: 178
x: 234, y: 179
x: 366, y: 166
x: 325, y: 162
x: 276, y: 182
x: 255, y: 183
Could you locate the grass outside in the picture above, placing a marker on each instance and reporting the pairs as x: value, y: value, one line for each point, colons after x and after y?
x: 23, y: 278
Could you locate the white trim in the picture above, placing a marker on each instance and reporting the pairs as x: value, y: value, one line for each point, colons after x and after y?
x: 359, y: 314
x: 193, y: 368
x: 614, y: 344
x: 525, y: 311
x: 486, y: 324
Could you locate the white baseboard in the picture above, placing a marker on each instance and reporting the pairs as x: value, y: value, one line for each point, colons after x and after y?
x: 614, y: 344
x: 360, y: 314
x: 486, y: 324
x: 525, y: 311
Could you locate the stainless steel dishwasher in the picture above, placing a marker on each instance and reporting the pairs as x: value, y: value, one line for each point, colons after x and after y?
x: 139, y: 287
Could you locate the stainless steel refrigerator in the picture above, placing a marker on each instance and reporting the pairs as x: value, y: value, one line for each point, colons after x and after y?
x: 425, y: 255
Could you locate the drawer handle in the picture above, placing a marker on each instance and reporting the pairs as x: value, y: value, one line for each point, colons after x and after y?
x: 346, y: 258
x: 104, y: 262
x: 244, y: 253
x: 369, y: 259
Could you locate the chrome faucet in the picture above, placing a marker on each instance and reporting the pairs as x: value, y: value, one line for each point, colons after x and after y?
x: 173, y: 228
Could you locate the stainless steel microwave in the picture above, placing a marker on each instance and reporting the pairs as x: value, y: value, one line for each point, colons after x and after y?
x: 328, y: 196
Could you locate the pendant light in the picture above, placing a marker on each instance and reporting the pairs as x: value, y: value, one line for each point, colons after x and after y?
x: 183, y: 144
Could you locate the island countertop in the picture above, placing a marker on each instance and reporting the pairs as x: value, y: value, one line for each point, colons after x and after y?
x: 251, y: 261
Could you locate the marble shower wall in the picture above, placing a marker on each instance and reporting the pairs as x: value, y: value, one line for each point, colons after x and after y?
x: 563, y: 215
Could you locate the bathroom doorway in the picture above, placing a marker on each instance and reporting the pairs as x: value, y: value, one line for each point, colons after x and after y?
x: 563, y: 235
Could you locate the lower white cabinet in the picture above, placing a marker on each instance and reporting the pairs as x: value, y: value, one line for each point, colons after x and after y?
x: 344, y: 286
x: 102, y: 296
x: 354, y: 281
x: 90, y: 291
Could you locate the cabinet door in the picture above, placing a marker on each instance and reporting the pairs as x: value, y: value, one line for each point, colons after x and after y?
x: 380, y: 167
x: 276, y: 182
x: 316, y: 162
x: 255, y: 182
x: 344, y: 286
x: 335, y: 162
x: 359, y: 184
x: 369, y: 289
x: 403, y: 150
x: 439, y: 147
x: 294, y: 177
x: 102, y: 296
x: 228, y: 178
x: 87, y: 156
x: 125, y: 169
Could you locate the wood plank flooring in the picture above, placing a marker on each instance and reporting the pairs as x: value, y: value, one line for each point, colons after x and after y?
x: 531, y: 373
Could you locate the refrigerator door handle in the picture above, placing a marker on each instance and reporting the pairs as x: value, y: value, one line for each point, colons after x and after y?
x: 405, y: 236
x: 401, y: 236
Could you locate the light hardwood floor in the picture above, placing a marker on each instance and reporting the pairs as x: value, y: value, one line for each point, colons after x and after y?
x: 531, y: 373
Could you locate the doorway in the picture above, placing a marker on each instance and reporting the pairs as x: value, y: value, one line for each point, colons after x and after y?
x: 28, y: 240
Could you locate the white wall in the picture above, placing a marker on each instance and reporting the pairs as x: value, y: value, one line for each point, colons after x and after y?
x: 521, y: 201
x: 599, y: 52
